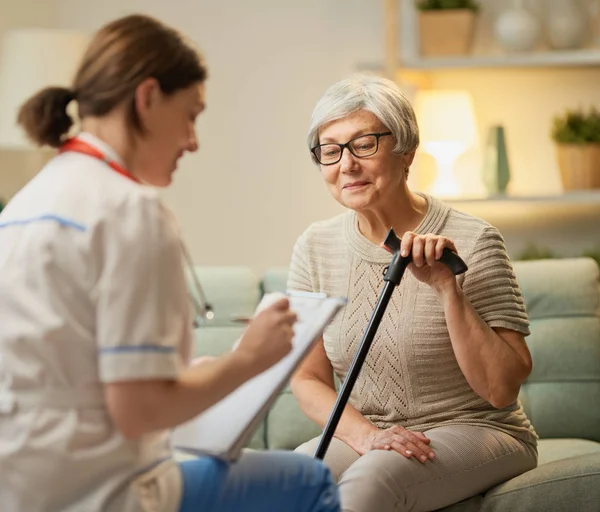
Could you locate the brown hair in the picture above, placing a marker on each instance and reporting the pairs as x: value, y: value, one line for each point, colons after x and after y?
x: 121, y: 55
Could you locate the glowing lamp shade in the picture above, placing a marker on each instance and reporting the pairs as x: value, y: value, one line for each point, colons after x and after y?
x: 31, y: 59
x: 447, y: 129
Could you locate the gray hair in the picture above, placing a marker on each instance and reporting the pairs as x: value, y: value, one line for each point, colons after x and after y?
x: 377, y: 95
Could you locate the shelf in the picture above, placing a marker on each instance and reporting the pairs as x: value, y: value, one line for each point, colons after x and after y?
x: 579, y: 198
x: 402, y: 50
x: 559, y: 210
x: 550, y: 59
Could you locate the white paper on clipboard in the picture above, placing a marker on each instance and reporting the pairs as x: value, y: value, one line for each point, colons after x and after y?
x: 226, y: 427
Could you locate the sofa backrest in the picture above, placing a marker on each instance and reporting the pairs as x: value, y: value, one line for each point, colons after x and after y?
x: 562, y: 394
x: 232, y: 292
x: 561, y: 397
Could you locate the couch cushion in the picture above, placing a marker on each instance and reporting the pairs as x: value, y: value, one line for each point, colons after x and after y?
x: 565, y: 287
x: 562, y: 298
x: 213, y: 341
x: 565, y: 485
x: 286, y: 426
x: 275, y: 279
x: 471, y: 505
x: 232, y: 291
x: 550, y: 450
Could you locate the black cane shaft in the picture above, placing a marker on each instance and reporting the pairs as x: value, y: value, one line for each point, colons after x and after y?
x: 354, y: 370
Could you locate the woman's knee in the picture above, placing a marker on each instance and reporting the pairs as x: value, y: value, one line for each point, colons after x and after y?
x: 378, y: 481
x: 309, y: 447
x: 339, y: 456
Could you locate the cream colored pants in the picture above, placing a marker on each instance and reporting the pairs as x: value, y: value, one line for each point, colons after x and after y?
x: 469, y: 460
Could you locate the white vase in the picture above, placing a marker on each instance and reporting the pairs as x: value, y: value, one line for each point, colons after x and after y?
x: 566, y: 24
x: 595, y: 15
x: 517, y: 29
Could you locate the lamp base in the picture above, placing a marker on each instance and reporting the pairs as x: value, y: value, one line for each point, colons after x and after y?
x: 445, y: 184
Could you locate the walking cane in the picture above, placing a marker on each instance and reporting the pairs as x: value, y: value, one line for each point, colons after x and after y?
x: 393, y: 276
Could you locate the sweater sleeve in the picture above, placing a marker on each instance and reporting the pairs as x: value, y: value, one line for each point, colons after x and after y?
x: 299, y: 277
x: 491, y: 285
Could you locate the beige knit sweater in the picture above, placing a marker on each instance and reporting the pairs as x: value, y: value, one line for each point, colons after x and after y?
x: 411, y: 376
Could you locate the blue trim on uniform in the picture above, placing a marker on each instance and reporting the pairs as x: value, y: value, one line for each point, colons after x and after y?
x: 136, y: 348
x: 46, y: 217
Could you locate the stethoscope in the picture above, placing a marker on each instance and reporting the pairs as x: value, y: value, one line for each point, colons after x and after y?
x: 203, y: 311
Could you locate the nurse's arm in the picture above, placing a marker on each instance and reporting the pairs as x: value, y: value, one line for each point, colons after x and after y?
x: 141, y: 406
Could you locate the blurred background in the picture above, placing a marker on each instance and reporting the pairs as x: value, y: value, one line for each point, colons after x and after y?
x: 505, y: 92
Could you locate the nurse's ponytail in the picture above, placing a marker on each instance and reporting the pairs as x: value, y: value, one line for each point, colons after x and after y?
x: 44, y: 116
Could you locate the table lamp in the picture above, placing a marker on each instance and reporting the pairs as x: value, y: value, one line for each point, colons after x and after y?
x: 447, y: 128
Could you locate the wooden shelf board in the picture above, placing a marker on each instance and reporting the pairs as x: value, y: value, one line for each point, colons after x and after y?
x: 589, y: 57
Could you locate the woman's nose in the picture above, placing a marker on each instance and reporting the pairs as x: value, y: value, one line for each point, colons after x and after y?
x: 347, y: 161
x: 193, y: 143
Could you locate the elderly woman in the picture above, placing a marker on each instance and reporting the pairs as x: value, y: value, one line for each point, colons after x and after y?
x: 434, y: 416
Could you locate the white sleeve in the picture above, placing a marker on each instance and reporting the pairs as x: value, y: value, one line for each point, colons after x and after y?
x: 143, y: 318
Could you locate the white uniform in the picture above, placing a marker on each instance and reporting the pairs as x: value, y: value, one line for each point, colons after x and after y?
x: 92, y: 291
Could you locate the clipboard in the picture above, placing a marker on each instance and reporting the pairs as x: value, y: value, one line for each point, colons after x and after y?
x: 225, y: 428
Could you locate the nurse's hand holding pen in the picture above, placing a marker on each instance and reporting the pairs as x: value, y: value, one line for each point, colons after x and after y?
x: 143, y: 406
x: 268, y: 337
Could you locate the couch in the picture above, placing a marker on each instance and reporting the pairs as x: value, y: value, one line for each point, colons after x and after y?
x: 561, y: 397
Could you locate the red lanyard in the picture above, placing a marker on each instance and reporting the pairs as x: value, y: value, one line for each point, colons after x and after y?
x: 78, y: 146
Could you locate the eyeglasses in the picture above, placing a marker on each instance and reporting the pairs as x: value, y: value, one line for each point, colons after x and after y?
x: 360, y: 147
x: 203, y: 311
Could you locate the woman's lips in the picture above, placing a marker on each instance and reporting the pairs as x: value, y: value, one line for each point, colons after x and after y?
x: 355, y: 185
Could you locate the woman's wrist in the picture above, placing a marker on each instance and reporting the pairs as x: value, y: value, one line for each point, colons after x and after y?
x: 358, y: 439
x: 447, y: 289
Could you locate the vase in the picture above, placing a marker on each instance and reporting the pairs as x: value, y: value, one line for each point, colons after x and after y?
x: 595, y: 14
x: 496, y: 171
x: 517, y: 29
x: 566, y: 24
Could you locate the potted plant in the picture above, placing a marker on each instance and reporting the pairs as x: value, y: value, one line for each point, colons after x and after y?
x: 446, y: 27
x: 532, y: 251
x: 577, y: 137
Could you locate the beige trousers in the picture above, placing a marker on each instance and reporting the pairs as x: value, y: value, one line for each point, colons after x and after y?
x: 469, y: 460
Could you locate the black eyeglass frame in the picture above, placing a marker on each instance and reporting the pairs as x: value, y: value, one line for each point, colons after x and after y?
x: 347, y: 145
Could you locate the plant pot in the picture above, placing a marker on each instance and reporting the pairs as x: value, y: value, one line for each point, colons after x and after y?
x: 447, y: 32
x: 579, y: 165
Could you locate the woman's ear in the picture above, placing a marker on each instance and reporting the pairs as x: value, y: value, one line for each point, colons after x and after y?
x: 147, y: 96
x: 409, y: 157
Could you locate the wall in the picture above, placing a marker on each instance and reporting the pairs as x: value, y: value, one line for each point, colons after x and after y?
x: 16, y: 168
x: 252, y: 189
